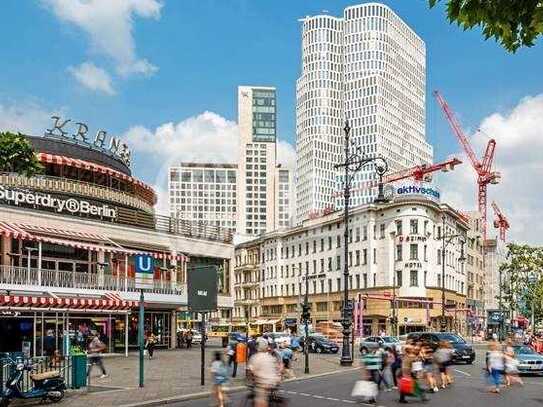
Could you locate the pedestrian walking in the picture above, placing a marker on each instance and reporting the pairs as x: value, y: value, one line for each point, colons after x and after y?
x: 219, y: 376
x: 443, y: 357
x: 396, y: 365
x: 495, y: 365
x: 232, y: 357
x: 287, y: 356
x: 427, y: 356
x: 373, y: 364
x: 511, y: 365
x: 385, y: 371
x: 150, y: 345
x: 188, y: 339
x: 49, y: 343
x: 95, y: 350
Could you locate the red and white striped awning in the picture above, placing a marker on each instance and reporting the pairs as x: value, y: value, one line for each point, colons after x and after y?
x: 104, y: 244
x: 23, y: 301
x: 86, y: 165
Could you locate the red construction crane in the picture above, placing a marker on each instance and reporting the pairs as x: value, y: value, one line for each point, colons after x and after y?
x: 422, y: 172
x: 483, y: 168
x: 418, y: 173
x: 501, y: 221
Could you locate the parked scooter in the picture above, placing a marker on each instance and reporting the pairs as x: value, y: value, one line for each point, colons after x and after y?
x: 46, y: 386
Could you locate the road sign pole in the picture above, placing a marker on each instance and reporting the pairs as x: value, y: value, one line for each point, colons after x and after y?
x: 203, y: 349
x: 141, y: 343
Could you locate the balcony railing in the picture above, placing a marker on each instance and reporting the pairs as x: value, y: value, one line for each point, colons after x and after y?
x: 75, y: 187
x: 90, y: 281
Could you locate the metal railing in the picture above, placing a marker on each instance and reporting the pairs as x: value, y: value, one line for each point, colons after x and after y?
x: 196, y: 230
x: 62, y: 364
x: 82, y: 188
x: 90, y: 281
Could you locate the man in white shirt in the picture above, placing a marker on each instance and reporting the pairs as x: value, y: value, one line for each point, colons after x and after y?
x: 265, y: 369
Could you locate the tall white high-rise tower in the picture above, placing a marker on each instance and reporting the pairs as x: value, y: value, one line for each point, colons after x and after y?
x: 369, y: 68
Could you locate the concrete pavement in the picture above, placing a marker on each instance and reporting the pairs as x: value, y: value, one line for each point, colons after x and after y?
x: 170, y: 376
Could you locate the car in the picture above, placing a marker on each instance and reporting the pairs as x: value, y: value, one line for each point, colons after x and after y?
x: 462, y: 351
x: 278, y: 337
x: 320, y: 344
x: 196, y: 336
x: 237, y: 337
x: 371, y: 343
x: 529, y: 360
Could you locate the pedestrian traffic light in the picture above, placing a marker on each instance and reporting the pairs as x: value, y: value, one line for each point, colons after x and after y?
x: 306, y: 315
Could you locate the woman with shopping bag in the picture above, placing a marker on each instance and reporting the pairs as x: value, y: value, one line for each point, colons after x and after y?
x: 367, y: 389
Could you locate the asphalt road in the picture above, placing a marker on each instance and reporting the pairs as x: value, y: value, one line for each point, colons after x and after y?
x: 469, y: 390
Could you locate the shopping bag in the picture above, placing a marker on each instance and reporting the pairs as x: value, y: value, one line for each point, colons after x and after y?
x: 406, y: 385
x: 364, y: 389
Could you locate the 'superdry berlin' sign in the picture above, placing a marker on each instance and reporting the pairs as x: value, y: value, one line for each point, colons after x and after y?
x: 111, y: 146
x: 60, y: 205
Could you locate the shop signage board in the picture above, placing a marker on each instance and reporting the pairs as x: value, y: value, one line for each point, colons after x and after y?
x: 145, y: 269
x: 202, y: 288
x: 78, y: 134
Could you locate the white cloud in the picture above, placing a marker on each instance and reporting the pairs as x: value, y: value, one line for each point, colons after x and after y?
x: 92, y: 77
x: 519, y: 142
x: 27, y: 118
x: 207, y: 137
x: 109, y: 25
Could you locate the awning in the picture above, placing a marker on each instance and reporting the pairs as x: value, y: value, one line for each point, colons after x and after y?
x: 99, y: 242
x: 266, y: 321
x: 23, y: 301
x: 87, y: 165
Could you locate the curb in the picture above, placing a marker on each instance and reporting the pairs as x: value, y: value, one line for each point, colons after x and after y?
x: 230, y: 390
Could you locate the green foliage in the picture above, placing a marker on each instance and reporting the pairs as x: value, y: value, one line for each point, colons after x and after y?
x: 513, y: 23
x: 17, y: 155
x: 522, y: 276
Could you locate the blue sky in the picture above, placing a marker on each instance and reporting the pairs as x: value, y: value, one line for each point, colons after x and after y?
x: 198, y: 51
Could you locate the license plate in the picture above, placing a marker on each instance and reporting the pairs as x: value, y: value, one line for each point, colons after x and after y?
x: 334, y: 349
x: 534, y: 367
x: 466, y: 357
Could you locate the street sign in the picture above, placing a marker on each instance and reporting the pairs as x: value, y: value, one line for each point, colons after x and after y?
x: 202, y: 288
x: 145, y: 269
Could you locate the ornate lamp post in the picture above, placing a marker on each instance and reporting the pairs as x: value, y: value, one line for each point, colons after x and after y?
x: 446, y: 240
x: 352, y: 164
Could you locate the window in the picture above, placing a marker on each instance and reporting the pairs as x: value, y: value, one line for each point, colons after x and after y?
x: 338, y: 284
x: 357, y: 234
x: 425, y: 251
x: 364, y: 233
x: 322, y: 245
x: 338, y: 262
x: 398, y: 228
x: 314, y: 246
x: 350, y: 259
x: 329, y: 264
x: 413, y: 251
x: 438, y: 256
x: 358, y: 281
x: 382, y: 231
x: 329, y: 285
x: 399, y: 248
x: 365, y: 256
x: 357, y: 258
x: 414, y: 226
x: 338, y: 243
x: 365, y: 280
x: 374, y: 256
x: 322, y: 306
x: 399, y: 279
x: 306, y: 248
x: 425, y: 277
x: 329, y: 242
x: 350, y: 235
x: 414, y: 278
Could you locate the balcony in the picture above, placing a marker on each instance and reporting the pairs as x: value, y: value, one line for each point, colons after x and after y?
x: 247, y: 284
x: 53, y: 280
x: 246, y: 302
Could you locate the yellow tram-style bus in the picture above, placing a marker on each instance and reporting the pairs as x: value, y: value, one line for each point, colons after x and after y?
x: 223, y: 331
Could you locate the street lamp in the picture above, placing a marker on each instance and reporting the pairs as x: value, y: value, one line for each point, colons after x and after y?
x: 352, y: 164
x: 446, y: 240
x: 305, y: 315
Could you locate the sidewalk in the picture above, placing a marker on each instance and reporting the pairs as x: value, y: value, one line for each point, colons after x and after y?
x: 172, y: 373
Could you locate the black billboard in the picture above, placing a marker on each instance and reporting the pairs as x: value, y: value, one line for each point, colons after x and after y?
x: 202, y: 288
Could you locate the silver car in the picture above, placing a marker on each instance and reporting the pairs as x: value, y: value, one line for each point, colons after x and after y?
x: 371, y: 343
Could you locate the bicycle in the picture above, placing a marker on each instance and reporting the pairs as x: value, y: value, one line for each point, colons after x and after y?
x: 274, y: 398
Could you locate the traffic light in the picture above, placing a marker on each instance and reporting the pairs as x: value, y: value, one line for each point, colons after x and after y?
x: 348, y: 311
x: 306, y: 315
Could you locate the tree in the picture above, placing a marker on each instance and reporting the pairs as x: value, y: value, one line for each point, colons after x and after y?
x: 17, y: 155
x: 522, y: 279
x: 513, y: 23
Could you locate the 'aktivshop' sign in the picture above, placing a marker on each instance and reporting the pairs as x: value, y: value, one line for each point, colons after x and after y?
x: 60, y: 205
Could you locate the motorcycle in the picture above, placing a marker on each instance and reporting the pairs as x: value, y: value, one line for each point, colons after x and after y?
x: 45, y: 386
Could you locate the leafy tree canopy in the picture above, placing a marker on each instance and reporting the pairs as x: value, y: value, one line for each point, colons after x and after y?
x: 513, y: 23
x: 17, y: 155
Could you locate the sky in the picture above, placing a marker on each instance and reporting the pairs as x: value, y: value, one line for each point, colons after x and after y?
x: 163, y: 75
